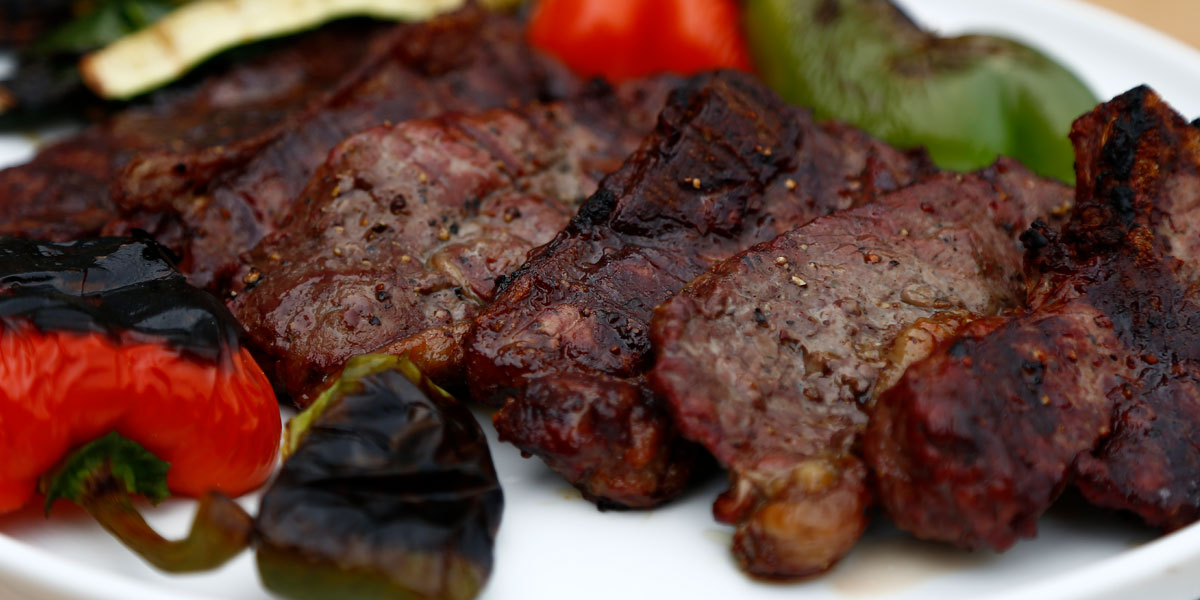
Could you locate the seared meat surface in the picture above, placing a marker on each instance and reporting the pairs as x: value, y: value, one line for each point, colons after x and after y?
x: 63, y: 193
x: 400, y: 237
x: 773, y: 357
x: 1095, y: 384
x: 565, y: 345
x: 224, y: 200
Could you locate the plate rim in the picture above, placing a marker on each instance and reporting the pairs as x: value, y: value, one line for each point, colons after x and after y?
x: 35, y: 568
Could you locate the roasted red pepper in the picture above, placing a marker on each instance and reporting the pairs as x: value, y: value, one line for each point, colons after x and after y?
x: 105, y: 336
x: 623, y: 39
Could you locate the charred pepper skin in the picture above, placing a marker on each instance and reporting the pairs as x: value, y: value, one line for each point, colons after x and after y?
x: 105, y: 335
x: 390, y: 493
x: 966, y: 99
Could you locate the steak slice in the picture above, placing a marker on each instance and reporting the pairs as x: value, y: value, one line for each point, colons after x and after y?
x: 772, y: 359
x: 63, y: 193
x: 224, y: 200
x: 401, y: 235
x: 1095, y: 383
x: 566, y: 343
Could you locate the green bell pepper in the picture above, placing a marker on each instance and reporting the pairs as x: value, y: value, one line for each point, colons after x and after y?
x: 966, y: 99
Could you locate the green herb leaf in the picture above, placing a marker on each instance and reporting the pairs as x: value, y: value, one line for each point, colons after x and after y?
x: 108, y: 22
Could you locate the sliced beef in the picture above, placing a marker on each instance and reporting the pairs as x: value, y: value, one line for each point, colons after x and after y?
x: 565, y: 346
x: 772, y: 359
x: 400, y: 237
x: 63, y: 193
x: 1096, y: 383
x: 224, y: 200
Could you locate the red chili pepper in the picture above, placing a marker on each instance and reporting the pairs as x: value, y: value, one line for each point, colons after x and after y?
x: 216, y: 424
x: 624, y: 39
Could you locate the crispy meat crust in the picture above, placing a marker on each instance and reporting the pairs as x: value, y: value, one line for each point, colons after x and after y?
x: 1095, y: 384
x: 566, y: 344
x: 773, y: 358
x: 223, y: 200
x: 63, y: 193
x: 404, y: 231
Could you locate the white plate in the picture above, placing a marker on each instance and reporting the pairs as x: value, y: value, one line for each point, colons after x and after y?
x: 555, y: 545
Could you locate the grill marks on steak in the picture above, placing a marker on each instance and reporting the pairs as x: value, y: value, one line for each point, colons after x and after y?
x: 772, y: 358
x: 400, y: 237
x: 566, y: 343
x: 224, y: 200
x: 1096, y: 384
x: 63, y: 193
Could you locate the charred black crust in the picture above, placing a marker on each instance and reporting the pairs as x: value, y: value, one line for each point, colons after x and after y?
x: 114, y: 286
x: 596, y: 210
x: 1037, y: 236
x: 1120, y: 151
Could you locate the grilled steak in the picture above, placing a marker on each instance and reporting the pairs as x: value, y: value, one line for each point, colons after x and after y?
x: 226, y: 199
x: 772, y: 358
x: 566, y: 342
x: 403, y: 232
x: 1095, y: 383
x: 63, y: 193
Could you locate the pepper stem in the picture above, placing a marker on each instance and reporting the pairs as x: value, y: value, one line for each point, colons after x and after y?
x: 103, y: 476
x: 220, y: 531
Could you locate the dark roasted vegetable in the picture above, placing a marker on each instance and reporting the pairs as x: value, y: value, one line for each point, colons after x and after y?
x: 107, y: 22
x: 47, y: 76
x: 22, y: 21
x: 118, y: 378
x: 389, y: 492
x: 105, y: 335
x: 966, y: 99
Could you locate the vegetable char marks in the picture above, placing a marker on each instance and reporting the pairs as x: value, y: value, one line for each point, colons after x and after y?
x: 566, y: 345
x: 771, y: 358
x: 404, y: 231
x: 105, y: 335
x: 223, y: 203
x: 1096, y: 384
x: 388, y: 492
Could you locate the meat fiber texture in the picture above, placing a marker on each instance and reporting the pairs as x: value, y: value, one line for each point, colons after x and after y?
x: 1094, y: 384
x: 772, y: 359
x: 400, y: 237
x: 216, y: 203
x: 565, y: 346
x: 63, y: 193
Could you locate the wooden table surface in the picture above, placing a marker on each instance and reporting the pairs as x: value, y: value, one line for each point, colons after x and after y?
x: 1178, y: 18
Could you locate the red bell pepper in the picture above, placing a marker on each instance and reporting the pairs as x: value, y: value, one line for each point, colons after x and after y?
x: 217, y: 425
x: 624, y: 39
x: 132, y: 382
